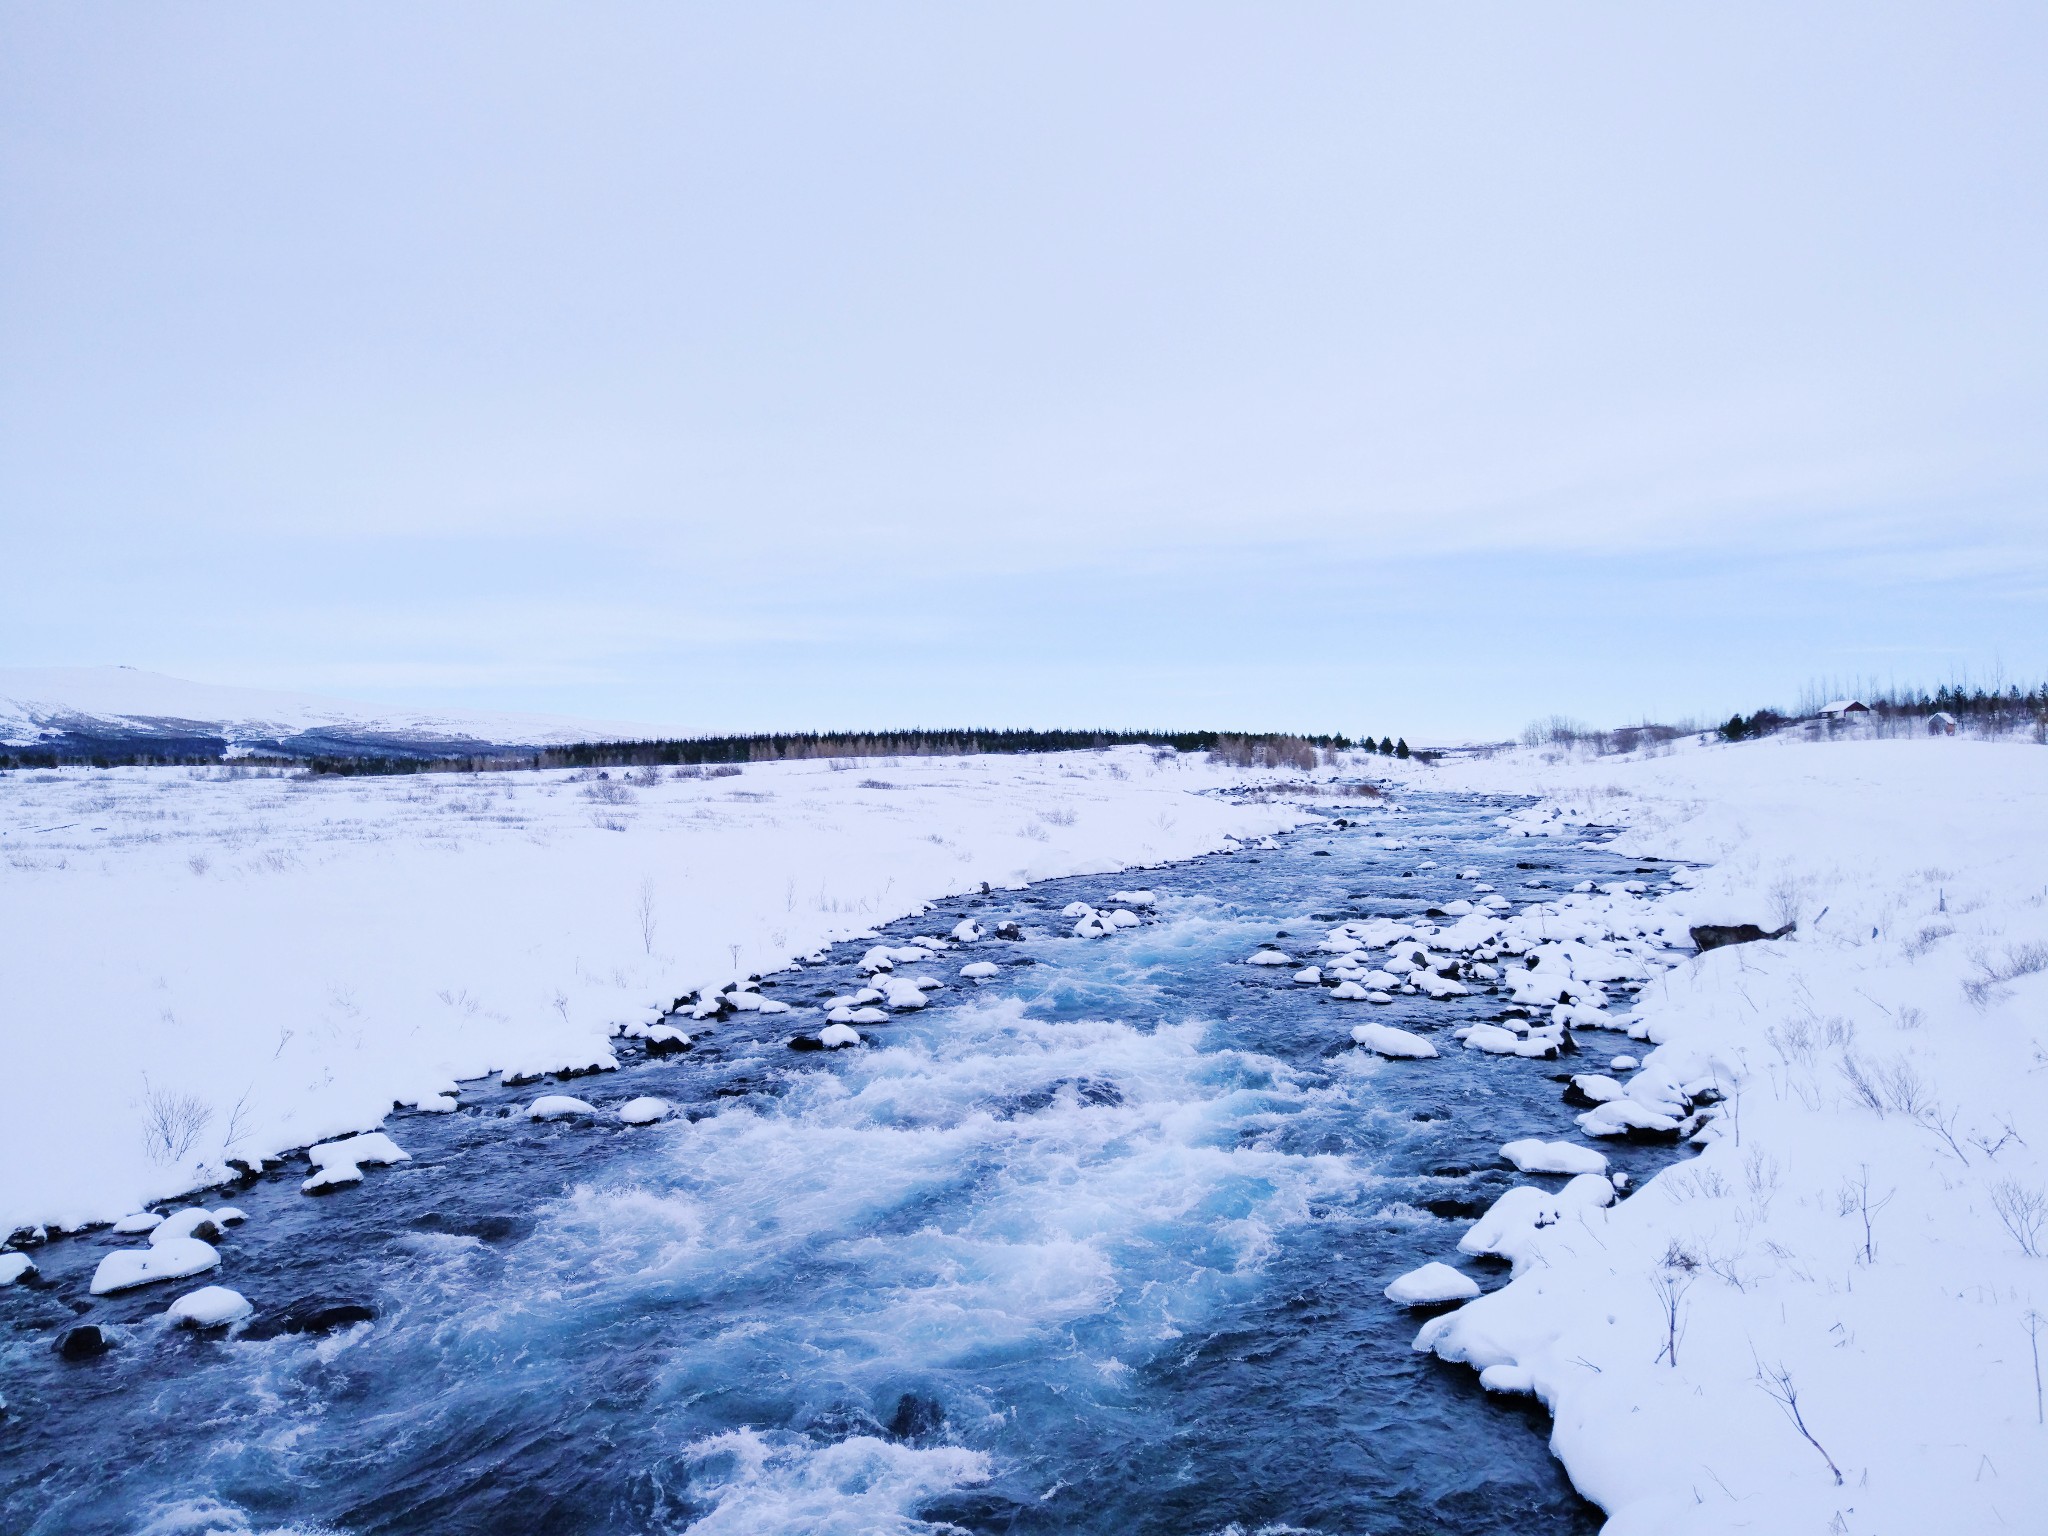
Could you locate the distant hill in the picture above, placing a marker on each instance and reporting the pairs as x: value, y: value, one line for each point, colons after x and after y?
x: 124, y: 712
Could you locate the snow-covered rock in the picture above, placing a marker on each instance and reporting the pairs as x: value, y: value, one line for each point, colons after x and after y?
x: 1432, y: 1285
x: 645, y: 1110
x: 838, y: 1036
x: 980, y: 970
x: 1389, y: 1041
x: 1269, y: 957
x: 13, y: 1266
x: 192, y: 1221
x: 341, y: 1162
x: 558, y: 1106
x: 126, y: 1268
x: 1492, y: 1038
x: 211, y: 1306
x: 1535, y: 1156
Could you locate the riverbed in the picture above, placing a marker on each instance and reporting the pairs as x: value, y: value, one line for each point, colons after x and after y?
x: 1094, y: 1245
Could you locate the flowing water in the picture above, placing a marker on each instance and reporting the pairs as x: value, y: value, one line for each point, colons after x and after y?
x: 1096, y: 1246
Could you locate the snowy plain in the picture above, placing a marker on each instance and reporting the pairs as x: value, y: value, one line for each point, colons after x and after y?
x: 1831, y: 1320
x: 282, y: 957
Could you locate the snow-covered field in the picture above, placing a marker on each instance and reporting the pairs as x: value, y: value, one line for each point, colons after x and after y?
x: 263, y: 961
x: 1853, y: 1274
x: 1830, y: 1320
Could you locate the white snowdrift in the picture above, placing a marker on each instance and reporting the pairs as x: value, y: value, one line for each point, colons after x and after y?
x: 1827, y: 1319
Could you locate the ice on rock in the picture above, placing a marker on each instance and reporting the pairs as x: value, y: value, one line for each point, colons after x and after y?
x: 1309, y: 977
x: 1534, y: 1156
x: 193, y: 1221
x: 980, y: 970
x: 14, y: 1265
x: 341, y: 1162
x: 557, y: 1106
x: 835, y: 1036
x: 211, y: 1306
x: 645, y: 1110
x: 1432, y: 1285
x: 1270, y: 957
x: 126, y: 1268
x: 1389, y: 1041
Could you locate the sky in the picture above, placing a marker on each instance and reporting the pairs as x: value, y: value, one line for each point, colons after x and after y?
x: 1405, y: 369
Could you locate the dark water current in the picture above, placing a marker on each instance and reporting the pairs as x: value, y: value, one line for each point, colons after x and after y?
x: 1095, y: 1247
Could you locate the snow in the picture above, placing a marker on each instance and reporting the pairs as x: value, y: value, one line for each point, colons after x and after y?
x: 190, y: 1222
x: 210, y: 1306
x: 980, y: 970
x: 1432, y: 1285
x: 290, y: 955
x: 341, y: 1162
x: 645, y: 1110
x: 1389, y: 1041
x: 835, y: 1036
x: 1534, y: 1156
x: 15, y: 1265
x: 1269, y: 957
x: 1888, y: 1057
x: 126, y: 1268
x: 558, y: 1106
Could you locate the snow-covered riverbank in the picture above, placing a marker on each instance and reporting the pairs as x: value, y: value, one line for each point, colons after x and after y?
x: 266, y: 960
x: 1851, y: 1275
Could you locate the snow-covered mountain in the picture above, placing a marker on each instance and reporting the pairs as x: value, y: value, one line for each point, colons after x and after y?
x: 81, y: 707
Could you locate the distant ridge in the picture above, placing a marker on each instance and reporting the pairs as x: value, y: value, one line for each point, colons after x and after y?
x: 82, y: 712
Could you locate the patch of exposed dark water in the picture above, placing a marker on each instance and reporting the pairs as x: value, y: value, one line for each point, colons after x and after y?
x: 1096, y: 1246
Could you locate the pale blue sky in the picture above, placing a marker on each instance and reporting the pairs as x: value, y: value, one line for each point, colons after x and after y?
x: 1412, y: 369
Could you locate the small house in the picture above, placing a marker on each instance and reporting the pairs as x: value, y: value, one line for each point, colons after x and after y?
x: 1844, y: 709
x: 1941, y: 723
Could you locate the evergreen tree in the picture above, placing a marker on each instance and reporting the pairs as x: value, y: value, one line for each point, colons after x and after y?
x: 1386, y: 746
x: 1401, y: 747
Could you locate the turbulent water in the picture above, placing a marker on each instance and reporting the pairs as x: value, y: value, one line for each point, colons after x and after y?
x: 1096, y: 1246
